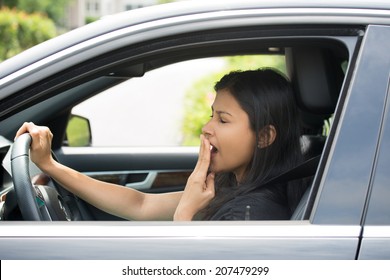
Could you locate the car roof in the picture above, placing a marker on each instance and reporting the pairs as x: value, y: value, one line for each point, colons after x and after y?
x: 185, y: 8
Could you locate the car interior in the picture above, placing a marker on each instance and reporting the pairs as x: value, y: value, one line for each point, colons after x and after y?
x: 317, y: 62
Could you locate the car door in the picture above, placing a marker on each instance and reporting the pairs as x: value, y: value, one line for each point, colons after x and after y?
x: 332, y: 223
x: 375, y: 241
x: 345, y: 190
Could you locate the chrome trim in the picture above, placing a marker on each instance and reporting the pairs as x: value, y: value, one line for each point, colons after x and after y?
x: 2, y: 208
x: 255, y: 229
x: 376, y: 232
x: 375, y: 243
x: 177, y: 240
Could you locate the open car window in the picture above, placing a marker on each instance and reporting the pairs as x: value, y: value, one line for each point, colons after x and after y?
x: 165, y: 107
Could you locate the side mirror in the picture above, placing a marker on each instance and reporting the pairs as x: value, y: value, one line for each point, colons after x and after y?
x: 78, y: 132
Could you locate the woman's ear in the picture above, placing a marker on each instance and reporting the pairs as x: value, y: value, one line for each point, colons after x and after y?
x: 267, y: 136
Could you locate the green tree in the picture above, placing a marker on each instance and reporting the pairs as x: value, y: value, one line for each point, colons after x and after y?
x: 20, y: 31
x: 55, y: 10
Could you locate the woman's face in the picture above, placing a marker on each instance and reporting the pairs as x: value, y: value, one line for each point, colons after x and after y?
x: 230, y: 135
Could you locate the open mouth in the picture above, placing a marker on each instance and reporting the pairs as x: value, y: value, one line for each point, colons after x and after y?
x: 213, y: 150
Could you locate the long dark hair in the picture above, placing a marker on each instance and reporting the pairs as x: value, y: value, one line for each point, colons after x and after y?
x: 267, y: 97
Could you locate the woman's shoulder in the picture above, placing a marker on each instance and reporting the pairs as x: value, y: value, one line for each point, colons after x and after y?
x: 261, y: 204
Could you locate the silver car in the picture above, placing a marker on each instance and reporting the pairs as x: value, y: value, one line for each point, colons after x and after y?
x: 337, y: 56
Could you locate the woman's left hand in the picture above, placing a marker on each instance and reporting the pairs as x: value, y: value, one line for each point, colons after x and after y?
x: 200, y: 186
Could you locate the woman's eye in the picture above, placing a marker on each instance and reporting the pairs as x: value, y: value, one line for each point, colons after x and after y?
x: 221, y: 120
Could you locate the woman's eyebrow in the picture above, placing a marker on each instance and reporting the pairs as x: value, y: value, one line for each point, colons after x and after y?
x: 223, y: 112
x: 219, y: 112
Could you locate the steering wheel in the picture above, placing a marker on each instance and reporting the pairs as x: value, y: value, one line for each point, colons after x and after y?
x: 36, y: 202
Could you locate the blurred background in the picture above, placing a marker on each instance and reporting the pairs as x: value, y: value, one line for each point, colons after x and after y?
x: 24, y: 23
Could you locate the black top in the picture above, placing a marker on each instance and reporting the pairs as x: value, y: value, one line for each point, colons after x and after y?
x: 263, y: 204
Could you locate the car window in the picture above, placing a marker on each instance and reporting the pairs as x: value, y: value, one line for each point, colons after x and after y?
x: 165, y: 107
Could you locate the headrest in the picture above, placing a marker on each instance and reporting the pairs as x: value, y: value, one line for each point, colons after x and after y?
x: 316, y: 76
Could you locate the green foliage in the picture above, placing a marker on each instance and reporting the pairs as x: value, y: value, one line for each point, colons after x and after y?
x: 247, y: 62
x: 20, y: 31
x: 200, y: 96
x: 90, y: 19
x: 78, y: 132
x: 55, y: 10
x: 165, y: 1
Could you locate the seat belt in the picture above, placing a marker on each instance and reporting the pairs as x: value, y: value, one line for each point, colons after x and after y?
x: 305, y: 169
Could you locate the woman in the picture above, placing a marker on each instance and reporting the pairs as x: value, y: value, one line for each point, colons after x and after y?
x: 252, y: 136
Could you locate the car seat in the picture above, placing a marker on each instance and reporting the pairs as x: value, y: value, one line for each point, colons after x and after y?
x: 316, y: 76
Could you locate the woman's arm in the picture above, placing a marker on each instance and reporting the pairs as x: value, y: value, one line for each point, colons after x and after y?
x: 117, y: 200
x: 114, y: 199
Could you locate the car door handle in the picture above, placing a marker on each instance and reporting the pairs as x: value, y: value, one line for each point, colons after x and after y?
x: 145, y: 184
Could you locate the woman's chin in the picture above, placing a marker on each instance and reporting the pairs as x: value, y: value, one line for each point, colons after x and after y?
x: 214, y: 168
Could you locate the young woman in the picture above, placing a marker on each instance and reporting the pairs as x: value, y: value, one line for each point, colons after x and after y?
x: 252, y: 136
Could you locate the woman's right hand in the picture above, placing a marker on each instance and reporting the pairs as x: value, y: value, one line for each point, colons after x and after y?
x: 200, y: 189
x: 40, y: 149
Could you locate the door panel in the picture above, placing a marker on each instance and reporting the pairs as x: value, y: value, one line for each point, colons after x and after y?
x: 170, y: 241
x: 349, y: 167
x: 151, y: 181
x: 152, y: 170
x: 376, y: 243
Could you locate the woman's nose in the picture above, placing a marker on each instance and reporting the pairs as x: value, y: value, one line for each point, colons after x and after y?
x: 207, y: 129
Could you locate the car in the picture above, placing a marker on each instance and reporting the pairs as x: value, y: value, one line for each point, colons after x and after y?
x: 336, y: 55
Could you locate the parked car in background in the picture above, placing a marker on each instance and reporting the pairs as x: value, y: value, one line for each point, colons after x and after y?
x: 337, y: 57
